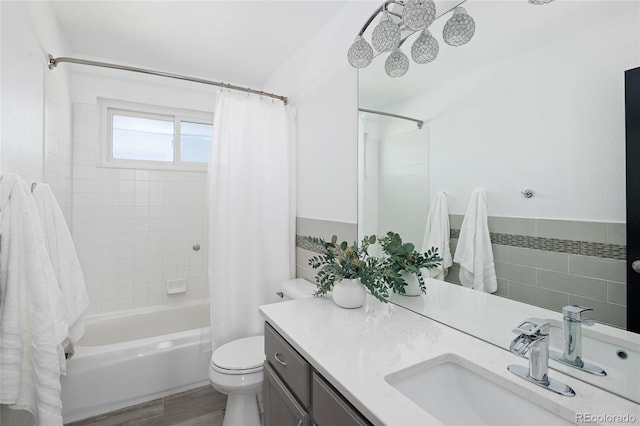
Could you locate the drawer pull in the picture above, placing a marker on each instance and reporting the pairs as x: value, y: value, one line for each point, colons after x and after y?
x: 277, y: 358
x: 300, y: 422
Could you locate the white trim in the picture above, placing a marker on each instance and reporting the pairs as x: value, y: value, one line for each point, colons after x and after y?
x: 106, y: 109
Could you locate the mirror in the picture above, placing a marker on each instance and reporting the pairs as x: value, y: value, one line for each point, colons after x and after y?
x: 534, y: 101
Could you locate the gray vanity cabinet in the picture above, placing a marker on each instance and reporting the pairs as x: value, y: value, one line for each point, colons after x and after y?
x: 295, y: 394
x: 286, y: 383
x: 280, y: 407
x: 330, y: 408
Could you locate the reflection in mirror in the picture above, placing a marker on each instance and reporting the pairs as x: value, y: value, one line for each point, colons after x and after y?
x: 534, y: 101
x: 394, y: 190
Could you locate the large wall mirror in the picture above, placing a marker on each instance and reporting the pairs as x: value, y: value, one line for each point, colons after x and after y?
x: 536, y: 100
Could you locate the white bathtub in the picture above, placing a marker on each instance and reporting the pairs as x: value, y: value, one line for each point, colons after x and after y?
x: 136, y: 356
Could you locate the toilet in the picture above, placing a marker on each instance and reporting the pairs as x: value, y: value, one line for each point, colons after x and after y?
x: 236, y: 367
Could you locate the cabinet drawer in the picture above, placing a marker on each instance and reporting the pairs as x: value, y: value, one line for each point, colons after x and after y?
x: 280, y: 407
x: 290, y: 366
x: 330, y: 408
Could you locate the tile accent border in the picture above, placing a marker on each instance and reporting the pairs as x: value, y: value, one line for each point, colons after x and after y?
x: 302, y: 243
x: 584, y: 248
x: 345, y: 231
x: 541, y: 262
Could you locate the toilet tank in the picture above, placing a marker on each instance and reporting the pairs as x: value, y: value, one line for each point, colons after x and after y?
x: 298, y: 288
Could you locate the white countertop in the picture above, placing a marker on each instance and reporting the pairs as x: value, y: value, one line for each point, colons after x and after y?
x: 491, y: 318
x: 355, y: 349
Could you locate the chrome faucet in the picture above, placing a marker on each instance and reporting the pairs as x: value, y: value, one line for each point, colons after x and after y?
x: 572, y: 341
x: 533, y: 338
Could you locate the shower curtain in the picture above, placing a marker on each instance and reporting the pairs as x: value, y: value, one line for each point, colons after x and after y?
x: 251, y: 211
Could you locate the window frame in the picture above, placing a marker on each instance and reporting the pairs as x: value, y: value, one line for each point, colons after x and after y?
x: 110, y: 107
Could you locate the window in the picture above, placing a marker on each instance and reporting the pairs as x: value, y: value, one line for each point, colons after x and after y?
x: 144, y: 136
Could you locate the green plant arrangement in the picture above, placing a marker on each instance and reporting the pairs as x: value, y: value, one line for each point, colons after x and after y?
x: 403, y: 258
x: 344, y: 261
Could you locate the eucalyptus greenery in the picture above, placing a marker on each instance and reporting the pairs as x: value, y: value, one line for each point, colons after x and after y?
x: 403, y: 257
x: 344, y: 261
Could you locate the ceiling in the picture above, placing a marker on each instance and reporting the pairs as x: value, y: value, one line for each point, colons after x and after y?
x: 239, y: 42
x: 504, y: 28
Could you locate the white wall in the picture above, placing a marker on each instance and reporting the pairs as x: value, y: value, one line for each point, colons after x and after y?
x: 36, y: 110
x: 1, y: 92
x: 550, y: 119
x: 323, y: 86
x: 134, y: 229
x: 28, y: 32
x: 23, y: 64
x: 58, y: 167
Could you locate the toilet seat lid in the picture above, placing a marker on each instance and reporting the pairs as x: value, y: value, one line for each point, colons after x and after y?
x: 240, y: 355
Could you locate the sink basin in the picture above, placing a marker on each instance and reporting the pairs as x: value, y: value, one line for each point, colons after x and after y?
x: 458, y: 392
x: 619, y: 359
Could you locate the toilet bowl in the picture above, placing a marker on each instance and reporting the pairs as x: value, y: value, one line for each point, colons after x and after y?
x: 236, y: 367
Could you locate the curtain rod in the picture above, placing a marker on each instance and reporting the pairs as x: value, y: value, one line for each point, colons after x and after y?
x: 419, y: 123
x: 53, y: 62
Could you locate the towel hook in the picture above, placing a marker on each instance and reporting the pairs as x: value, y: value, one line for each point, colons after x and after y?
x: 528, y: 193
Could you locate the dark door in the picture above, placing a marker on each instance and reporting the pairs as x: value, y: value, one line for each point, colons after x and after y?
x: 632, y: 103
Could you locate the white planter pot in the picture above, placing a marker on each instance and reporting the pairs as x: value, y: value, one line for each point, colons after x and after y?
x: 349, y: 293
x: 413, y: 287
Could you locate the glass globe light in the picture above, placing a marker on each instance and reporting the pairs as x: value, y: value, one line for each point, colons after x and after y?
x: 419, y: 14
x: 386, y: 35
x: 425, y: 49
x: 397, y: 64
x: 540, y: 1
x: 360, y: 53
x: 459, y: 28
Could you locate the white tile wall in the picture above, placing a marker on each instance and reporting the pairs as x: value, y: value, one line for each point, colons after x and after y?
x: 134, y: 229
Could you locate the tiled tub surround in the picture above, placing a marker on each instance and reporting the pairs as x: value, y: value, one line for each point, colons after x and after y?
x: 542, y: 262
x: 134, y: 229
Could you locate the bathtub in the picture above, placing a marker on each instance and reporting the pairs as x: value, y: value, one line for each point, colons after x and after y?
x: 136, y: 356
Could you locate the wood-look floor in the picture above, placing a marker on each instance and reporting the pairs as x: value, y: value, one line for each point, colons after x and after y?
x: 198, y: 407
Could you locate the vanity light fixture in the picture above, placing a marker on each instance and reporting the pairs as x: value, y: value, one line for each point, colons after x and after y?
x: 425, y: 49
x: 386, y: 35
x: 395, y: 26
x: 459, y: 28
x: 397, y: 64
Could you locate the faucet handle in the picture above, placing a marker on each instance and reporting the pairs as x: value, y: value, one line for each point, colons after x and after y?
x: 533, y: 327
x: 574, y: 313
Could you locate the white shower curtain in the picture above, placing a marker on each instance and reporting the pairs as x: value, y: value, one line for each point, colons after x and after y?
x: 251, y: 211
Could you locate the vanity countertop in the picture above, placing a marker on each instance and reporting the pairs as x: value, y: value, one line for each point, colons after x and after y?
x: 354, y: 349
x: 491, y: 318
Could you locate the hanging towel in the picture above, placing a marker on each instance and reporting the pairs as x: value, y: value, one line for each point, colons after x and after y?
x: 474, y: 253
x: 64, y: 260
x: 437, y: 234
x: 33, y: 315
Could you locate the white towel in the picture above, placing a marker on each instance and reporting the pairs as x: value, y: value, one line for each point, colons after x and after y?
x: 64, y: 260
x: 474, y: 252
x: 33, y: 314
x: 437, y: 234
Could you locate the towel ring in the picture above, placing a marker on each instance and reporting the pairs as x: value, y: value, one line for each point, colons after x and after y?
x: 528, y: 193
